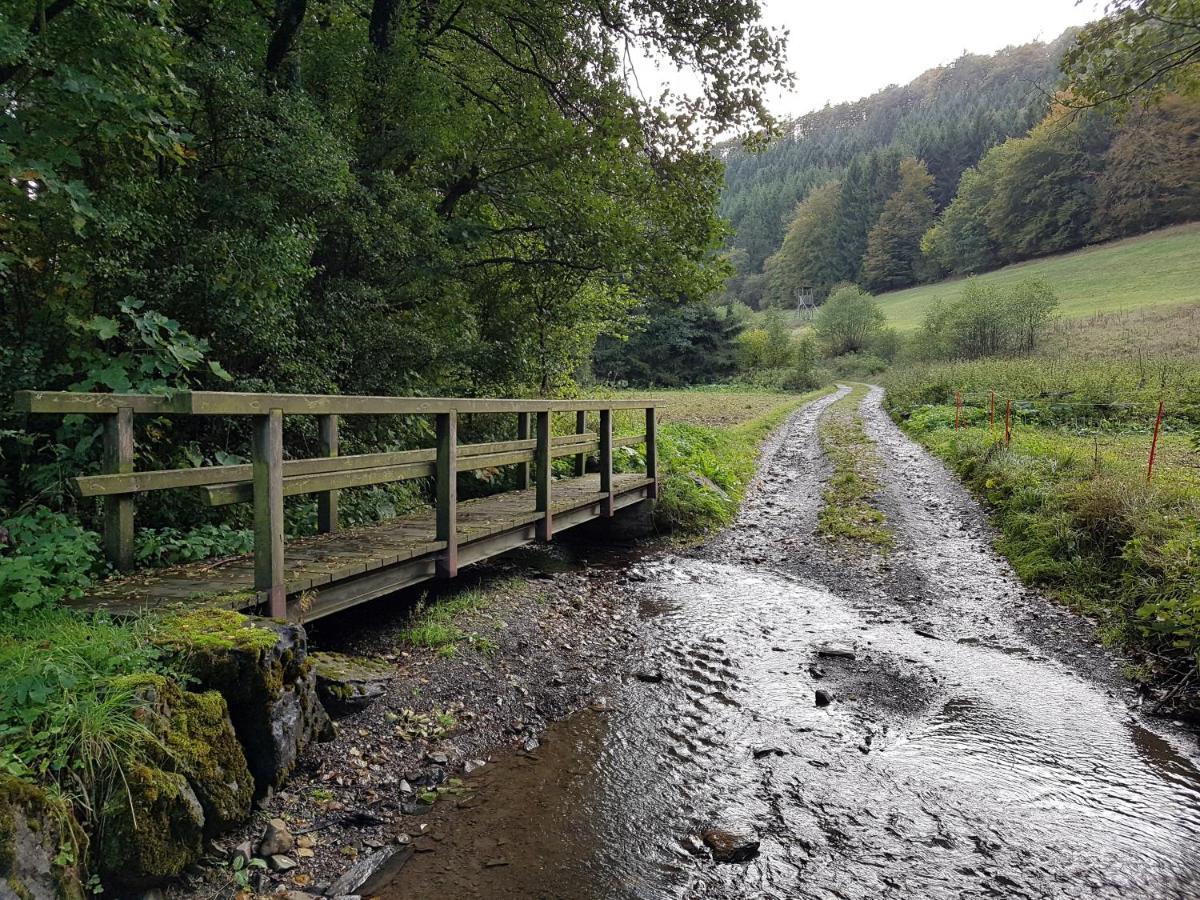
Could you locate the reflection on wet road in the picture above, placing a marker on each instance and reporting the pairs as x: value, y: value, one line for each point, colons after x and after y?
x: 954, y: 759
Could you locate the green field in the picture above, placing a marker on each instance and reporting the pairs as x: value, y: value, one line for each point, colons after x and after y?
x: 1157, y: 269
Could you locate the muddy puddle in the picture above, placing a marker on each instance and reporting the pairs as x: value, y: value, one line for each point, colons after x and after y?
x: 939, y: 769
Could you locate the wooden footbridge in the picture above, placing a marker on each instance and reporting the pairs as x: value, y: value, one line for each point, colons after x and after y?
x: 309, y: 577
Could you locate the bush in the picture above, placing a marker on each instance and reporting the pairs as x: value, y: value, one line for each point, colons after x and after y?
x: 44, y: 557
x: 987, y: 320
x: 62, y: 722
x: 848, y: 320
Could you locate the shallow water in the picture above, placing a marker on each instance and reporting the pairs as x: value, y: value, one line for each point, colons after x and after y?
x: 966, y: 766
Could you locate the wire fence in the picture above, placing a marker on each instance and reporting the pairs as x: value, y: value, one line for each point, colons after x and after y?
x: 1118, y: 433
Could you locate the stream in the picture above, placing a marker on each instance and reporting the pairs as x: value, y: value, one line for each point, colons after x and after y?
x: 976, y: 742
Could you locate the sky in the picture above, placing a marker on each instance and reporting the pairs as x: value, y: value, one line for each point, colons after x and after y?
x: 846, y: 49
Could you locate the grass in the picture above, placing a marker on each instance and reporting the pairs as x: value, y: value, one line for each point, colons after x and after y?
x: 1071, y: 500
x: 847, y: 512
x: 1157, y: 269
x: 438, y: 626
x: 711, y: 407
x: 1069, y: 391
x: 66, y: 723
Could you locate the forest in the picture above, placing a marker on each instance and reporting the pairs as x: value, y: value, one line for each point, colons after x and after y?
x: 972, y: 166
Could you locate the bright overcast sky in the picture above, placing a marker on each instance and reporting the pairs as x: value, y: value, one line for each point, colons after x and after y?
x: 842, y: 50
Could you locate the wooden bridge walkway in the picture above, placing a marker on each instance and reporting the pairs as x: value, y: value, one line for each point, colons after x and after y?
x: 309, y: 577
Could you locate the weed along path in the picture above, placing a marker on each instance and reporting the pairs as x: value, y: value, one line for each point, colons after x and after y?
x: 814, y: 704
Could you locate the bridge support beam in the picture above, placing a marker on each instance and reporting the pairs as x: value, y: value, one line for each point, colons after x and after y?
x: 327, y: 501
x: 118, y: 509
x: 447, y: 492
x: 580, y: 458
x: 267, y: 461
x: 606, y: 460
x: 542, y: 460
x: 522, y: 435
x: 652, y: 450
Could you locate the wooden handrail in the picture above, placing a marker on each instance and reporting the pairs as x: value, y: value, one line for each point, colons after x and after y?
x: 268, y: 478
x: 219, y: 403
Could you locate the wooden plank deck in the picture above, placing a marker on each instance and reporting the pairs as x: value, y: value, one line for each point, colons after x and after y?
x: 334, y: 571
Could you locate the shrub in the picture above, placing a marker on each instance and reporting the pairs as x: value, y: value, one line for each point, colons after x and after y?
x: 848, y: 320
x: 987, y: 320
x: 48, y: 557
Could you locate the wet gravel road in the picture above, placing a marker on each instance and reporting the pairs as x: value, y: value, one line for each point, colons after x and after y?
x: 977, y: 741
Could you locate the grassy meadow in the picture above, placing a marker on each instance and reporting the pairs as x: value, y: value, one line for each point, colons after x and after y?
x: 1160, y: 269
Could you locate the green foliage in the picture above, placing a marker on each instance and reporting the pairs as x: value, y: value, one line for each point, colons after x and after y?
x: 848, y: 320
x: 986, y: 320
x: 1138, y: 51
x: 438, y: 625
x: 1075, y: 177
x: 140, y: 351
x: 1076, y: 513
x: 893, y: 255
x: 44, y: 557
x: 674, y: 346
x: 808, y: 255
x: 171, y: 546
x: 948, y: 117
x: 63, y: 719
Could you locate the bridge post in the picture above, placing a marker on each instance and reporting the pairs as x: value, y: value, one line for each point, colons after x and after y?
x: 652, y: 450
x: 118, y: 509
x: 580, y: 458
x: 523, y: 435
x: 606, y: 460
x: 542, y: 460
x: 447, y: 492
x: 267, y: 460
x: 327, y: 501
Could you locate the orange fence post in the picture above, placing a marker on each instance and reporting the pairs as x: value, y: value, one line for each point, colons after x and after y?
x: 1154, y: 442
x: 1008, y: 423
x: 991, y: 409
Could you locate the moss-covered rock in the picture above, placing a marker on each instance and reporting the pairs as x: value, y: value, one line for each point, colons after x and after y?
x: 151, y: 831
x: 196, y: 739
x: 347, y: 684
x: 40, y: 845
x: 260, y: 667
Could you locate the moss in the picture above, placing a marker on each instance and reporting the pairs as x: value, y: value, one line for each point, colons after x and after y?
x: 197, y: 741
x: 212, y: 629
x: 153, y: 831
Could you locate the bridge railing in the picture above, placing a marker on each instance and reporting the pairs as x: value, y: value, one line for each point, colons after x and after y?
x: 268, y: 478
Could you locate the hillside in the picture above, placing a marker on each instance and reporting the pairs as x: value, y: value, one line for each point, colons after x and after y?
x: 948, y: 116
x: 1158, y: 269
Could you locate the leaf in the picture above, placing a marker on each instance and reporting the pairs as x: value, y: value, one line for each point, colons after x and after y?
x: 217, y: 369
x: 104, y: 327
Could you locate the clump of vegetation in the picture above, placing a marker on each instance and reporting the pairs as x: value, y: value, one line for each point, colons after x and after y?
x: 45, y: 557
x: 437, y: 626
x: 848, y: 320
x: 986, y: 320
x: 67, y: 721
x: 847, y: 508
